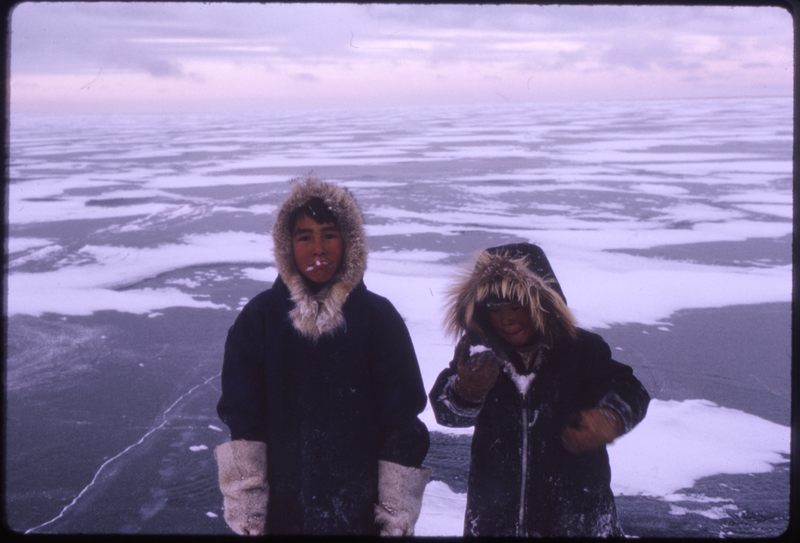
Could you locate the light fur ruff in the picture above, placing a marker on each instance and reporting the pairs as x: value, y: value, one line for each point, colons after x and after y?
x: 318, y: 314
x: 510, y: 278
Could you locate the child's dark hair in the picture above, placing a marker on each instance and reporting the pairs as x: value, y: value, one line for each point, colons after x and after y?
x: 316, y: 209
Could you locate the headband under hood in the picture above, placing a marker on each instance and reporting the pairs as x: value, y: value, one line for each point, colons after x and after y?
x: 320, y: 313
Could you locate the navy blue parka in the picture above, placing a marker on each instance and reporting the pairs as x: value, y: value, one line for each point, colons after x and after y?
x: 329, y: 396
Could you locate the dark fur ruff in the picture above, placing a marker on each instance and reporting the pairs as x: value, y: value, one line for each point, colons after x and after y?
x: 509, y: 278
x: 317, y: 314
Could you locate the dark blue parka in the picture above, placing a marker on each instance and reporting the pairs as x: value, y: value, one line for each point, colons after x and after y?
x: 522, y: 481
x: 329, y: 400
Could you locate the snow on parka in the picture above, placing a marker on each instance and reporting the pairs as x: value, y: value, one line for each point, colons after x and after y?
x: 522, y: 481
x: 328, y: 380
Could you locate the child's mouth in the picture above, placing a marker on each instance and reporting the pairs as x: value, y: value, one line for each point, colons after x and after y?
x: 317, y: 265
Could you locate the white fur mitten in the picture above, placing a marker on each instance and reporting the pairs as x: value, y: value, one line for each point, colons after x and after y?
x: 242, y: 467
x: 400, y: 490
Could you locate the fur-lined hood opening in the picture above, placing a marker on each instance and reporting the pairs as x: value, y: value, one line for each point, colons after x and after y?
x: 519, y: 273
x: 320, y: 313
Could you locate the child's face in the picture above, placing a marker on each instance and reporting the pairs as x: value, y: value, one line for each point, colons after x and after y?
x: 318, y: 249
x: 512, y: 322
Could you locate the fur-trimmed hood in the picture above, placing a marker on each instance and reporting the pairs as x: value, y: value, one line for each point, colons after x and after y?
x: 517, y: 272
x: 320, y: 313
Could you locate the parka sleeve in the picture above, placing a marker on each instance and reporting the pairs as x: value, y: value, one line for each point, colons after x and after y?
x: 399, y: 391
x: 448, y: 408
x: 612, y: 384
x: 242, y: 406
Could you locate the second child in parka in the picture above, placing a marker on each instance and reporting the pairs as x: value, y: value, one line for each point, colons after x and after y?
x: 545, y: 398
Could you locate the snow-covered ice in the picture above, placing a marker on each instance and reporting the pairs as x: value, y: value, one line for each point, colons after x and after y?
x: 122, y: 220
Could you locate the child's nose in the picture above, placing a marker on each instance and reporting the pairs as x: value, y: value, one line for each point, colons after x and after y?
x: 508, y: 317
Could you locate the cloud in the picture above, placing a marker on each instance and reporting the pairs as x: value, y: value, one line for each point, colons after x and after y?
x: 65, y: 37
x: 158, y: 67
x: 642, y: 53
x: 124, y: 56
x: 281, y: 47
x: 50, y: 35
x: 756, y: 65
x: 306, y: 77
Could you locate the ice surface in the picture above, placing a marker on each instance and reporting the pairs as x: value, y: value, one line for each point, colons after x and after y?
x: 76, y: 208
x: 442, y: 511
x: 121, y: 218
x: 16, y: 245
x: 784, y: 211
x: 107, y: 280
x: 206, y: 177
x: 679, y: 442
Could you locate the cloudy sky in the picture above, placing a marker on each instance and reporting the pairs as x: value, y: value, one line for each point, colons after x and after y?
x: 184, y: 56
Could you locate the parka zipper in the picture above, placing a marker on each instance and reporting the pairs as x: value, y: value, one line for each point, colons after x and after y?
x: 521, y: 524
x: 524, y: 387
x: 523, y: 472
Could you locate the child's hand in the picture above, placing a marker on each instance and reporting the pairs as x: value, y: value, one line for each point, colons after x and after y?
x: 592, y: 429
x: 477, y: 373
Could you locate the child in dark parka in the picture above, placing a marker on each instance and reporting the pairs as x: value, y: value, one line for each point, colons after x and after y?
x: 321, y: 389
x: 545, y: 398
